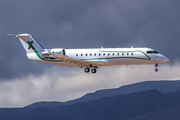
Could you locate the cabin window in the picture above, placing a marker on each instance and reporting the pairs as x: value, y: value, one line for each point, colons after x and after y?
x: 131, y: 53
x: 122, y: 53
x: 104, y: 54
x: 86, y: 54
x: 127, y: 53
x: 81, y: 54
x: 90, y: 54
x: 76, y: 54
x: 113, y: 54
x: 108, y: 54
x: 99, y: 54
x: 118, y: 54
x: 94, y: 54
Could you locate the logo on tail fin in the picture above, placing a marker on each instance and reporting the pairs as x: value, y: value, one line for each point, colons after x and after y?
x: 30, y: 45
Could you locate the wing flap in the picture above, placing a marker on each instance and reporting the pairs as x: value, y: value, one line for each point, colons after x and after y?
x: 83, y: 63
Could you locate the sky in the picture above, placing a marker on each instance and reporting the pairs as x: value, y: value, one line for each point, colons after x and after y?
x: 83, y: 24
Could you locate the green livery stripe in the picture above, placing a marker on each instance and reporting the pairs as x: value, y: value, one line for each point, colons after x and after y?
x: 100, y: 58
x: 46, y: 59
x: 34, y: 49
x: 114, y: 58
x: 148, y: 58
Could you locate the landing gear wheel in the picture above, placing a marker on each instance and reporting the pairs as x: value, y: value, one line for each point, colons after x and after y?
x: 86, y: 70
x: 156, y: 65
x: 93, y: 70
x: 156, y: 70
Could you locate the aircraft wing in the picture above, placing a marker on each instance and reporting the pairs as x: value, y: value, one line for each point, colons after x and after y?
x: 83, y: 63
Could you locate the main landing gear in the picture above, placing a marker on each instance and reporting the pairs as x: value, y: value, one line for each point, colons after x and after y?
x: 156, y: 70
x: 93, y: 70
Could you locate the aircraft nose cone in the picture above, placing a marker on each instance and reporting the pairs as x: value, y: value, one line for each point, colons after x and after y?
x: 166, y: 59
x: 163, y: 59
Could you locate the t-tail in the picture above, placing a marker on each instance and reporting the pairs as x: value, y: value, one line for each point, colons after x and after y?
x: 33, y: 49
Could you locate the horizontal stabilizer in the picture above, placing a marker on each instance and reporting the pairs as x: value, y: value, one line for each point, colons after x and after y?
x: 12, y: 35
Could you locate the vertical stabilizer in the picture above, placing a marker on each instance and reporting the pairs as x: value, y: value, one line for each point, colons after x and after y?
x: 29, y: 43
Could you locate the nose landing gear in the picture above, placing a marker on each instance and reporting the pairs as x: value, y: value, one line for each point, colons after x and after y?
x: 156, y: 69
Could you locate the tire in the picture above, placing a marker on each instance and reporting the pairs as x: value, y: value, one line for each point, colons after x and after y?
x: 156, y: 70
x: 86, y: 70
x: 93, y: 70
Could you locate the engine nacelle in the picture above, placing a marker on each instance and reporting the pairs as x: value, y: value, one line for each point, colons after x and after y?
x: 57, y: 53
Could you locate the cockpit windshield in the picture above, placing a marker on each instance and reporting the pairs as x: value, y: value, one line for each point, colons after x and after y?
x: 152, y: 52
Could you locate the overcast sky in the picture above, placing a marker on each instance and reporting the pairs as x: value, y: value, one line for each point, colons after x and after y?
x: 82, y: 24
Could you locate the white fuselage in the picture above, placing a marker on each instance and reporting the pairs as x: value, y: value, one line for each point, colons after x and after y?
x: 89, y: 58
x: 106, y: 56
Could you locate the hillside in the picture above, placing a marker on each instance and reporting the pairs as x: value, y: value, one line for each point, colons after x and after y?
x: 119, y: 107
x: 162, y: 86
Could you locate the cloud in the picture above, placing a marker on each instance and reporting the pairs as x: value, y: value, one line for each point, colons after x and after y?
x: 66, y: 83
x: 82, y: 24
x: 85, y: 24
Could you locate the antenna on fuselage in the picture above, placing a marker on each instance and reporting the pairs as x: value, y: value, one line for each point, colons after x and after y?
x: 102, y: 47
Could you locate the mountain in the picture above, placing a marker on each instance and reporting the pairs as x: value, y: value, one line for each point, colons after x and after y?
x: 170, y: 112
x: 162, y: 86
x: 130, y: 106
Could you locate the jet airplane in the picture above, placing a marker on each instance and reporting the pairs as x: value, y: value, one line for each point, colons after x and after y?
x: 90, y: 58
